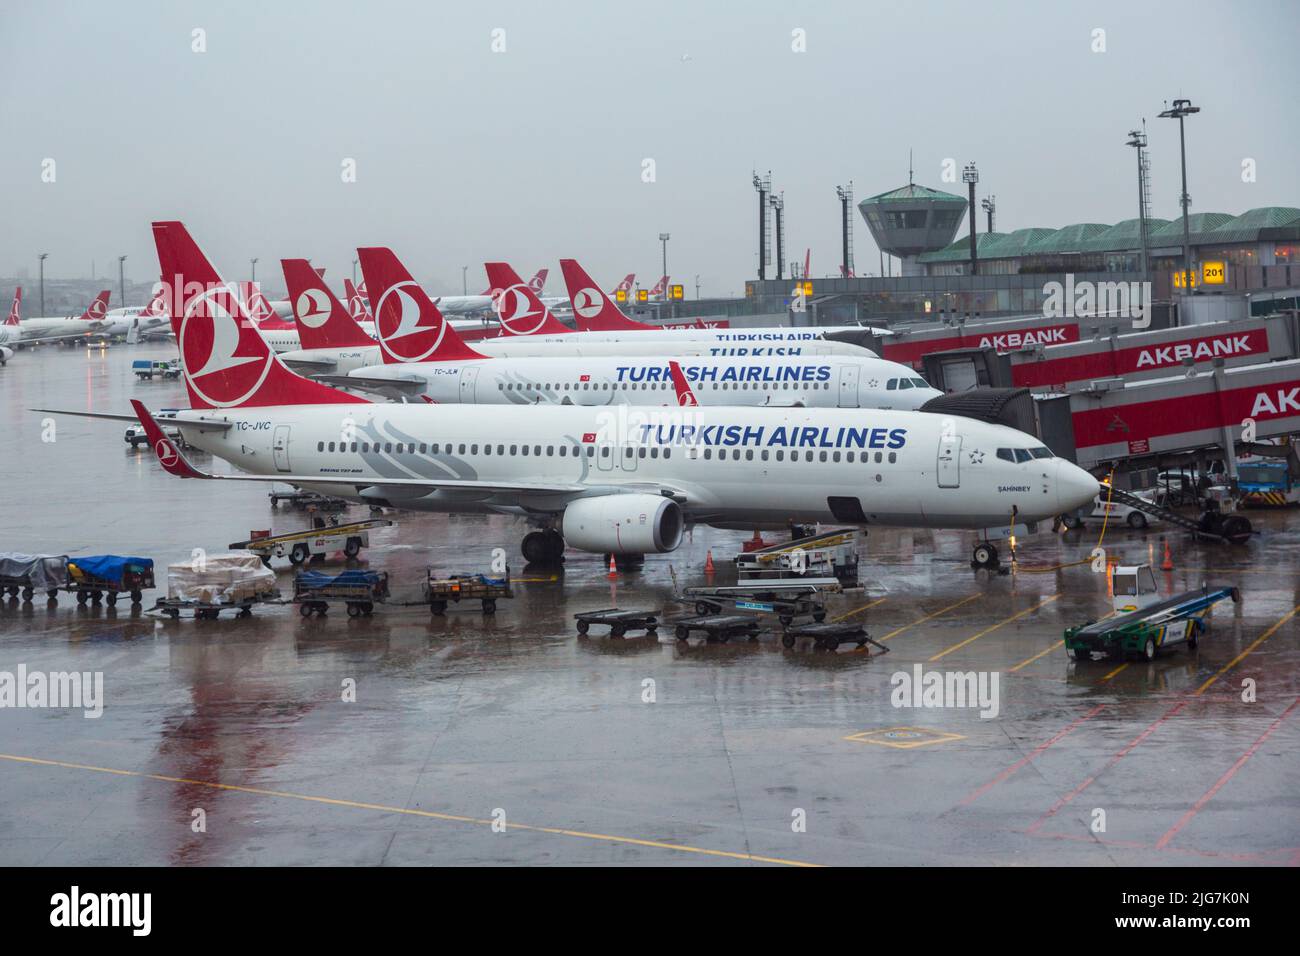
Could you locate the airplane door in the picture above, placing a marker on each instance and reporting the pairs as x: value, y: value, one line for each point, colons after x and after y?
x: 848, y: 386
x: 280, y: 447
x: 468, y: 384
x: 950, y: 462
x: 627, y: 457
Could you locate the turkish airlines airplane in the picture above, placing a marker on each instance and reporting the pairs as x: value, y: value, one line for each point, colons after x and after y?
x: 454, y: 372
x: 625, y: 286
x: 332, y: 356
x: 599, y: 482
x: 65, y: 329
x: 597, y: 317
x: 120, y: 323
x: 10, y: 332
x: 466, y: 304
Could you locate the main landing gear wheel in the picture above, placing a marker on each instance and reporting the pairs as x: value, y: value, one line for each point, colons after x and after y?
x: 1071, y: 522
x: 984, y: 556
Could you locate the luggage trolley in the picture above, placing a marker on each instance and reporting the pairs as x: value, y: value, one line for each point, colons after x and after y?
x: 359, y: 590
x: 618, y: 621
x: 105, y: 576
x: 441, y: 591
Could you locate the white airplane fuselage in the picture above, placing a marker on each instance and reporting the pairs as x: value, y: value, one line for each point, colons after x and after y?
x: 343, y: 361
x: 818, y: 382
x: 745, y: 467
x: 51, y: 328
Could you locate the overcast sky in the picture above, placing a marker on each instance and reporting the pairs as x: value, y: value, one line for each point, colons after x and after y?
x: 464, y: 154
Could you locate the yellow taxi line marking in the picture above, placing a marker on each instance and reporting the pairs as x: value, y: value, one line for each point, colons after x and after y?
x: 382, y: 808
x: 857, y: 610
x: 1041, y: 653
x: 1258, y: 641
x: 922, y: 620
x: 988, y: 630
x: 1113, y: 673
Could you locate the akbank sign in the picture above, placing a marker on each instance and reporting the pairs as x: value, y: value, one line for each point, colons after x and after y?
x: 1086, y: 299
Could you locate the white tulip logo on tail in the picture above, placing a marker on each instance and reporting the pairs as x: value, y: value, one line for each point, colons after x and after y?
x: 167, y: 453
x: 587, y: 303
x: 512, y: 308
x: 313, y: 308
x: 211, y: 340
x: 399, y: 318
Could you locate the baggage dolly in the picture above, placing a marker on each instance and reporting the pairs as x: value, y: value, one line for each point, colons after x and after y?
x: 786, y: 603
x: 359, y: 590
x: 718, y: 628
x: 439, y: 592
x: 106, y: 576
x: 829, y: 637
x: 620, y: 622
x: 172, y: 607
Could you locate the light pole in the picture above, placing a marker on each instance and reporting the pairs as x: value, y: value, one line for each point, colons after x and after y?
x: 354, y: 271
x: 464, y: 280
x: 990, y: 206
x: 1180, y: 109
x: 970, y: 176
x: 121, y: 280
x: 697, y: 285
x: 42, y: 257
x: 253, y: 262
x: 663, y: 239
x: 1137, y: 138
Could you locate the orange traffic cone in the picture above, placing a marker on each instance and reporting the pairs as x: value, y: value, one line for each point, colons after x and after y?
x: 1168, y: 563
x: 613, y: 568
x: 708, y: 562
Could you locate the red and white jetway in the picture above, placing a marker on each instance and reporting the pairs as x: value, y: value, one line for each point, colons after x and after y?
x: 1154, y: 354
x: 910, y: 345
x: 1117, y: 421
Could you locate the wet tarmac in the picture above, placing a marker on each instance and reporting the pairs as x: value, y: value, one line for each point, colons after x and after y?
x: 477, y: 740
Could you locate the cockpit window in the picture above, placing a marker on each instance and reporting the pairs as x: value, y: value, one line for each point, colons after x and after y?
x: 891, y: 385
x: 1042, y: 451
x: 1006, y: 455
x: 920, y: 383
x: 904, y: 383
x: 1022, y: 454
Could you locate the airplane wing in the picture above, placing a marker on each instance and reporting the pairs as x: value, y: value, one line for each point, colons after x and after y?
x: 201, y: 424
x: 392, y: 387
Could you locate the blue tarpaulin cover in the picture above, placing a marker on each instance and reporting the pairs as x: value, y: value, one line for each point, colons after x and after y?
x: 110, y: 567
x: 319, y: 579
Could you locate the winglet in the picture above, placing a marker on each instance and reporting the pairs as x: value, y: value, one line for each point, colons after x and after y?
x: 169, y: 456
x: 685, y: 397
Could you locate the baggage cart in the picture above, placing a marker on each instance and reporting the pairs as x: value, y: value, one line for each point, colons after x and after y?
x: 619, y: 621
x: 103, y: 577
x: 29, y: 573
x: 718, y: 628
x: 324, y: 538
x: 211, y: 610
x: 440, y: 591
x: 359, y: 590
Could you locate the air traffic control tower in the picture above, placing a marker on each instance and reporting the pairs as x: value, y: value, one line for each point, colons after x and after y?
x: 912, y: 219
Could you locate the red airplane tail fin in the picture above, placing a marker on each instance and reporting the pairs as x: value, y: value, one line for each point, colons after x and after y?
x: 357, y: 303
x: 538, y: 282
x: 323, y: 322
x: 225, y: 361
x: 410, y: 327
x: 685, y: 397
x: 98, y: 308
x: 660, y: 287
x: 626, y: 284
x: 16, y: 310
x: 592, y: 308
x: 517, y: 306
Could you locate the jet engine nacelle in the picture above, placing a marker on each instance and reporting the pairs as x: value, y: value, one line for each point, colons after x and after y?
x: 623, y: 524
x: 5, y: 354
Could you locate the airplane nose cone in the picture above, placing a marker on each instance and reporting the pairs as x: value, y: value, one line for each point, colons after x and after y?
x: 1074, y: 486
